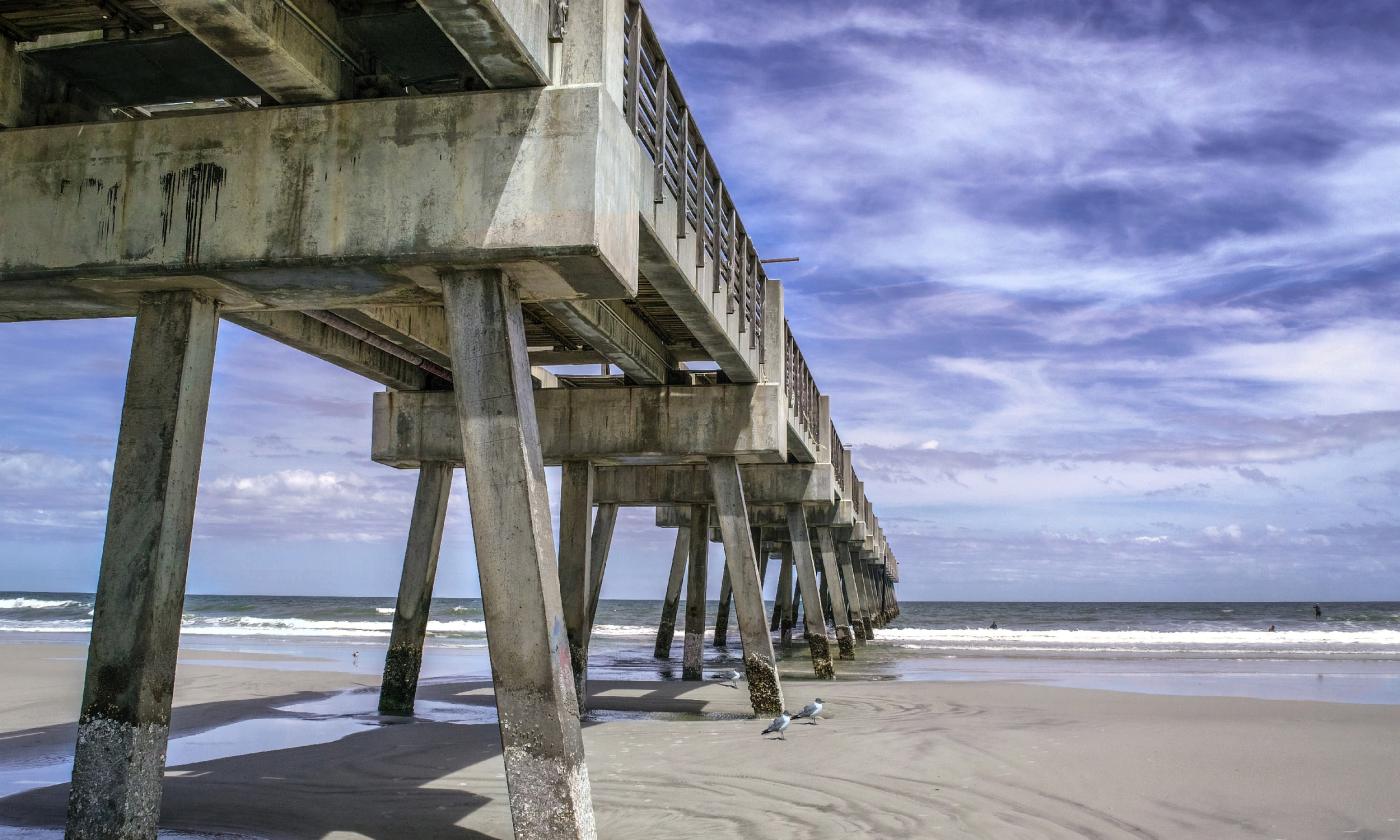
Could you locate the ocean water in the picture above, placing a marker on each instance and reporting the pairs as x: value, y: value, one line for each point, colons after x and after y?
x: 1350, y: 654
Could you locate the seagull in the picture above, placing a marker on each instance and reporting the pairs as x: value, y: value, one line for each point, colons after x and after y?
x: 733, y: 677
x: 779, y: 725
x: 810, y: 711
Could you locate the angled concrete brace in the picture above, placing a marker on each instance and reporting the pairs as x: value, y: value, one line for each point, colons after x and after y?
x: 604, y: 523
x: 760, y: 666
x: 666, y: 630
x: 852, y: 590
x: 845, y: 642
x: 576, y: 566
x: 540, y: 736
x: 692, y: 661
x: 815, y: 624
x: 782, y: 599
x: 125, y: 719
x: 404, y: 660
x: 722, y: 613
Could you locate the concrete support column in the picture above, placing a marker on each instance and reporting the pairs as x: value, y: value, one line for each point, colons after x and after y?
x: 756, y: 535
x: 576, y: 566
x: 666, y: 631
x: 692, y: 663
x: 722, y: 614
x: 540, y: 736
x: 815, y: 623
x: 853, y: 602
x: 760, y: 666
x: 404, y: 660
x: 782, y: 599
x: 604, y: 523
x: 868, y: 596
x: 845, y: 639
x: 125, y: 718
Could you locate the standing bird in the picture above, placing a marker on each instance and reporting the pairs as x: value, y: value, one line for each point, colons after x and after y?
x: 779, y: 725
x: 733, y: 678
x: 810, y: 711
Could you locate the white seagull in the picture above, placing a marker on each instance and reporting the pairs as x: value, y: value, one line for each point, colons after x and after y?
x: 810, y: 711
x: 779, y: 725
x: 733, y: 677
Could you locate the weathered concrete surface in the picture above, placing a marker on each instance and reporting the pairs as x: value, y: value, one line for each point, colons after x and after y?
x: 11, y: 80
x: 782, y: 598
x: 813, y: 621
x: 604, y: 523
x: 274, y: 48
x: 325, y: 206
x: 505, y: 41
x: 311, y: 336
x: 576, y: 566
x: 601, y: 425
x: 540, y: 736
x: 765, y: 690
x: 666, y: 629
x: 404, y: 659
x: 831, y: 575
x: 688, y: 485
x: 692, y: 660
x: 125, y: 716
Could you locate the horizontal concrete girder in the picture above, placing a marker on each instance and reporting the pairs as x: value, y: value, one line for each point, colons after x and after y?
x: 279, y: 51
x: 505, y: 41
x: 326, y: 206
x: 608, y: 426
x: 767, y: 515
x: 642, y: 486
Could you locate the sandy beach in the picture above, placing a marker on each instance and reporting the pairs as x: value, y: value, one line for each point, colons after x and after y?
x: 667, y: 759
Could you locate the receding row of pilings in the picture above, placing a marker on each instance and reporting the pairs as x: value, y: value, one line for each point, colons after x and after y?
x: 539, y: 607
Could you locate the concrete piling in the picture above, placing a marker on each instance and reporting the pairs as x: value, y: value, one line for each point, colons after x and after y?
x: 722, y: 613
x: 666, y: 630
x: 814, y: 623
x: 692, y: 662
x: 125, y: 718
x: 845, y: 638
x: 576, y: 566
x: 760, y: 666
x: 782, y: 600
x: 853, y: 601
x: 404, y: 659
x: 541, y: 740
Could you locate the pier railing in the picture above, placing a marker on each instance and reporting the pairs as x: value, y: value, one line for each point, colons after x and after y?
x: 801, y: 388
x: 684, y: 168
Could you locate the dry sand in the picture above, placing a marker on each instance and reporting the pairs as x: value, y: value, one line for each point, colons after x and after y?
x: 892, y: 759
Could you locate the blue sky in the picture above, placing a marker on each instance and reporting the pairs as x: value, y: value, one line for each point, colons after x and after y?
x: 1106, y: 295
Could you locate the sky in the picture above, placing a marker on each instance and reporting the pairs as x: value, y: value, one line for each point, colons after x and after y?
x: 1106, y: 296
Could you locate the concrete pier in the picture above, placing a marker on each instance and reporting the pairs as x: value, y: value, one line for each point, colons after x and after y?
x: 666, y: 629
x: 831, y: 575
x: 404, y: 659
x: 782, y: 599
x: 125, y: 718
x: 692, y: 663
x: 535, y: 699
x: 814, y: 623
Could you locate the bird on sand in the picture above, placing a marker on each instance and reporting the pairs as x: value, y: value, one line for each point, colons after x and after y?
x: 732, y: 676
x: 779, y: 725
x: 810, y: 711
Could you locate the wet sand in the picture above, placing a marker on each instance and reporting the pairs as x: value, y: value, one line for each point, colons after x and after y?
x: 898, y: 759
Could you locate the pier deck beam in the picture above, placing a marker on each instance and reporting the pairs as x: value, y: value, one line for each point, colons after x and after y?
x: 404, y: 660
x: 541, y: 739
x: 692, y: 662
x: 760, y: 666
x: 826, y: 546
x: 125, y: 718
x: 666, y: 630
x: 814, y: 621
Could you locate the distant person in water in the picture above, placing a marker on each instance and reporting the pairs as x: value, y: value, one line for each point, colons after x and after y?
x: 1317, y: 611
x: 1273, y: 629
x: 994, y: 625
